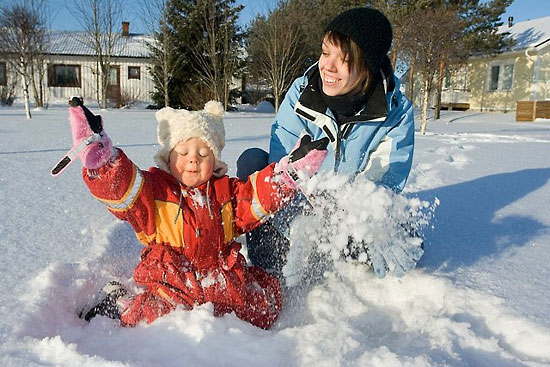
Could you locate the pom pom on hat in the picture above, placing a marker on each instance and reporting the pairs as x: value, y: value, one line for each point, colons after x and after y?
x: 369, y: 29
x: 180, y: 125
x: 214, y: 108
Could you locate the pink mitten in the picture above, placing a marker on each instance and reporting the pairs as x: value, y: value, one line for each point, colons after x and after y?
x: 100, y: 148
x: 303, y: 162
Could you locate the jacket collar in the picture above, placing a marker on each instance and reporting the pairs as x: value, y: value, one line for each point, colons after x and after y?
x: 310, y: 105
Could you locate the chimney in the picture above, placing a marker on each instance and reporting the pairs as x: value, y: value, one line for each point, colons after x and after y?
x: 510, y: 22
x: 126, y: 29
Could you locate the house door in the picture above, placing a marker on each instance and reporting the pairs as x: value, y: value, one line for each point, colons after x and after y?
x: 113, y: 87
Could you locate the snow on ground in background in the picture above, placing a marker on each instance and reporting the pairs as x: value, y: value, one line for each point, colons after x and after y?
x: 479, y: 296
x: 262, y: 107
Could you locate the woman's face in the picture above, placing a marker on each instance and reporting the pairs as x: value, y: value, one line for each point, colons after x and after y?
x: 337, y: 77
x: 192, y: 162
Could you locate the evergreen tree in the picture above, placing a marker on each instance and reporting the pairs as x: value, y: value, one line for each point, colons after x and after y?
x: 205, y: 48
x: 483, y: 20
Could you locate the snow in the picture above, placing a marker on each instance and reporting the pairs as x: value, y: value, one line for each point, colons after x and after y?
x: 480, y: 296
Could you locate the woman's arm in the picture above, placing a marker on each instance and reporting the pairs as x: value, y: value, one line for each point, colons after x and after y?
x: 288, y: 126
x: 390, y: 163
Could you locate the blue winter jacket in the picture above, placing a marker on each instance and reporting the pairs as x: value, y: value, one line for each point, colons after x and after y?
x: 377, y: 142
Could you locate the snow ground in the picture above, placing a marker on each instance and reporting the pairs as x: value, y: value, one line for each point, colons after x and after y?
x: 480, y: 296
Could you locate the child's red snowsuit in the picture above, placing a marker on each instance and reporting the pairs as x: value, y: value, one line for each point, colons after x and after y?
x: 191, y: 256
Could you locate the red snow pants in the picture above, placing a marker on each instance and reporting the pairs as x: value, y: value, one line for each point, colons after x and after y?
x: 253, y: 294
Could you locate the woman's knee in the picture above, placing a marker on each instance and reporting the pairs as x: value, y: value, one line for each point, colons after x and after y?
x: 250, y: 161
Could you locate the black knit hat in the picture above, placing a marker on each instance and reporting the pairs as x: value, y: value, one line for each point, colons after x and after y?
x: 369, y: 29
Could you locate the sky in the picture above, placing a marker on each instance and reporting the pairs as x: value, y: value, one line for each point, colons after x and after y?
x: 62, y: 19
x: 527, y: 9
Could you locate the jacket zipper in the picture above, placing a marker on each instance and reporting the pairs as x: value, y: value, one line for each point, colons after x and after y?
x: 338, y: 148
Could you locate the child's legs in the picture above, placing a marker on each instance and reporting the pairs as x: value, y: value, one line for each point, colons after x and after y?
x: 250, y: 292
x: 162, y: 272
x: 145, y: 306
x: 264, y: 300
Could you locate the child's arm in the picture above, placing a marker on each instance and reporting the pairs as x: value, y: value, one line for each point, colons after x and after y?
x: 111, y: 177
x: 268, y: 190
x: 127, y: 192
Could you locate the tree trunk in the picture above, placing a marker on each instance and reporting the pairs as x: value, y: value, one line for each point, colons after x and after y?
x: 410, y: 89
x: 97, y: 83
x: 26, y: 98
x: 37, y: 84
x: 226, y: 94
x: 437, y: 113
x: 166, y: 90
x: 41, y: 75
x: 25, y: 79
x: 104, y: 83
x: 165, y: 71
x: 34, y: 87
x: 425, y: 100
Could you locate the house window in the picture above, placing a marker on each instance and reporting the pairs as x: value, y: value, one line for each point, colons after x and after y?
x: 64, y: 76
x: 500, y: 76
x: 134, y: 72
x: 3, y: 78
x: 113, y: 77
x: 456, y: 80
x: 447, y: 81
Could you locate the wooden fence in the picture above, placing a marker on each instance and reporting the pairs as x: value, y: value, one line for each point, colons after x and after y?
x: 529, y: 110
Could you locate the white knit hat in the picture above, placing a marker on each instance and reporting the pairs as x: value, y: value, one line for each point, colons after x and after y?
x: 180, y: 125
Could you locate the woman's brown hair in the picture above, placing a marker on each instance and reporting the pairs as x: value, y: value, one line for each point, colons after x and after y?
x: 354, y: 57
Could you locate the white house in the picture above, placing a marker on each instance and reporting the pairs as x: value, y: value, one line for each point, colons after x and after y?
x: 72, y: 69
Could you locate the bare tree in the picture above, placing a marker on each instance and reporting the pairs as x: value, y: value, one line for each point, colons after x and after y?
x: 433, y: 45
x: 217, y: 56
x: 275, y: 49
x: 38, y: 65
x: 22, y: 41
x: 100, y: 19
x: 155, y: 15
x: 232, y: 51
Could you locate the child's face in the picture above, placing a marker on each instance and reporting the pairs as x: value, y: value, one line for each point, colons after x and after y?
x: 192, y: 162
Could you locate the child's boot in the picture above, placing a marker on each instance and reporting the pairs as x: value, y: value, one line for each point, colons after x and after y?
x: 110, y: 301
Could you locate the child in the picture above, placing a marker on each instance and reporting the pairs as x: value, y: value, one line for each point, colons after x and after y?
x: 188, y: 213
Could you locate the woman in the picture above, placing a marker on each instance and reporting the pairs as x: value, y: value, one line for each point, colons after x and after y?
x: 352, y: 97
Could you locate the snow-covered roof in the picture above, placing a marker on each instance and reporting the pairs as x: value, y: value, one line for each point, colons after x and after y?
x: 78, y: 43
x: 530, y: 33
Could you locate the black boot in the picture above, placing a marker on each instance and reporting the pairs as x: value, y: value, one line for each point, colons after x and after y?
x: 109, y: 301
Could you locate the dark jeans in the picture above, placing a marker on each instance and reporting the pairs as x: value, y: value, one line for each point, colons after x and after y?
x: 267, y: 246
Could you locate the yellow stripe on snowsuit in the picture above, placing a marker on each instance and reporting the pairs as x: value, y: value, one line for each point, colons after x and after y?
x: 167, y: 230
x: 256, y: 207
x: 130, y: 196
x: 227, y: 221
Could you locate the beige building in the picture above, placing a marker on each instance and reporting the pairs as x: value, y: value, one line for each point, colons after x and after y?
x: 71, y: 69
x: 497, y: 82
